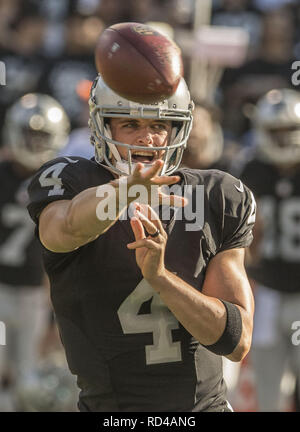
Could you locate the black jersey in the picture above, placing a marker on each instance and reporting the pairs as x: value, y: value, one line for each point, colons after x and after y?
x: 128, y: 350
x: 278, y: 200
x: 20, y: 252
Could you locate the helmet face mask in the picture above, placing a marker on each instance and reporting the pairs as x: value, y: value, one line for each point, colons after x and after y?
x: 106, y: 104
x: 36, y: 128
x: 277, y: 127
x: 286, y: 137
x: 36, y: 141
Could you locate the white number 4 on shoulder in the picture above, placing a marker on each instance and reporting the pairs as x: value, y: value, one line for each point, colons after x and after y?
x: 47, y: 180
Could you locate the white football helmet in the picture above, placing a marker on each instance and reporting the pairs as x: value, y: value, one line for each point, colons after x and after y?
x: 277, y: 126
x: 35, y: 129
x: 104, y: 103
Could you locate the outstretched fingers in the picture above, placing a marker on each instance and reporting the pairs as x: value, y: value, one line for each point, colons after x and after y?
x: 154, y: 170
x: 148, y: 243
x: 150, y: 220
x: 137, y: 228
x: 172, y: 200
x: 150, y: 226
x: 165, y: 180
x: 140, y: 237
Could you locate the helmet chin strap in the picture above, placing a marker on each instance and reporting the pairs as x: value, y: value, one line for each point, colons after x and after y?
x: 113, y: 149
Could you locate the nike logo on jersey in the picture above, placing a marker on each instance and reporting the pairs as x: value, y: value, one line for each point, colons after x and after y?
x: 240, y: 187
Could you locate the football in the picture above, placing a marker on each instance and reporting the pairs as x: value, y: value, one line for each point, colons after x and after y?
x: 138, y: 62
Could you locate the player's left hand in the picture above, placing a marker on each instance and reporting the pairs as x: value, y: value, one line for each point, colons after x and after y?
x: 149, y: 250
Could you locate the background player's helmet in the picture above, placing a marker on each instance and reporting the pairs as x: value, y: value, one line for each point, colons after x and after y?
x: 105, y: 103
x: 36, y: 128
x: 277, y: 126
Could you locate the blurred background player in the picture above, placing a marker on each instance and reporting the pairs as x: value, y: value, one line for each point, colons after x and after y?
x: 205, y: 145
x: 273, y: 174
x: 79, y: 143
x: 35, y: 129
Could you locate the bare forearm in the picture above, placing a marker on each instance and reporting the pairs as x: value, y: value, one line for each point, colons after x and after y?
x: 94, y: 211
x: 202, y: 316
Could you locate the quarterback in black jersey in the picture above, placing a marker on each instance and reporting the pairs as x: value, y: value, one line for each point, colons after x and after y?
x: 146, y: 305
x: 273, y: 174
x: 31, y: 137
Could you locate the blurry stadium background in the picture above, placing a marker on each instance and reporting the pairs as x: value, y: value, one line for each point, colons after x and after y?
x: 47, y: 46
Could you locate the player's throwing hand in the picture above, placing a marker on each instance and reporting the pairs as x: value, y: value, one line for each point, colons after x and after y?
x: 149, y: 177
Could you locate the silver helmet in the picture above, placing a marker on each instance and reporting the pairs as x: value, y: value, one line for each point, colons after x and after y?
x: 277, y: 126
x: 104, y: 103
x: 35, y: 129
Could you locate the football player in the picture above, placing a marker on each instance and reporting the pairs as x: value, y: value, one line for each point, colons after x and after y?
x: 273, y: 174
x: 35, y: 129
x: 146, y: 306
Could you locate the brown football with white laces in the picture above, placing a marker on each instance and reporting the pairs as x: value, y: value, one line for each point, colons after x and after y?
x: 138, y: 62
